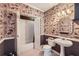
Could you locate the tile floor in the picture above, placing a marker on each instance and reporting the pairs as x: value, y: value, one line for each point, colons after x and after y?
x: 34, y: 52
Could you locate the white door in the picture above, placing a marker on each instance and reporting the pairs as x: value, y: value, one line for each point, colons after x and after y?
x: 25, y: 32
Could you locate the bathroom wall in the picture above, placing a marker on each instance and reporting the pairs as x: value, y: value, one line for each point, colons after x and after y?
x: 58, y: 21
x: 2, y: 49
x: 8, y: 15
x: 26, y: 10
x: 52, y: 21
x: 52, y: 18
x: 9, y: 47
x: 1, y: 31
x: 76, y: 28
x: 1, y: 24
x: 10, y: 24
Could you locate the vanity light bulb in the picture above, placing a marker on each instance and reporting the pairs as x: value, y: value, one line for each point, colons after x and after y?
x: 63, y: 13
x: 58, y: 14
x: 68, y: 11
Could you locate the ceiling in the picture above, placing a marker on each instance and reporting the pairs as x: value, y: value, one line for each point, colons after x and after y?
x: 42, y: 6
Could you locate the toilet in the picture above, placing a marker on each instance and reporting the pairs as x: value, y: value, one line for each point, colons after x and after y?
x: 47, y: 48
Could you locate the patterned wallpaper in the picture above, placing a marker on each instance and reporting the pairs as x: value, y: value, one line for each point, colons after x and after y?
x: 10, y: 24
x: 58, y: 20
x: 76, y: 29
x: 55, y: 21
x: 1, y: 24
x: 8, y: 17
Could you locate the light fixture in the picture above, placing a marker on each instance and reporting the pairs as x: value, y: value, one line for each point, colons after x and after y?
x: 58, y: 14
x: 68, y: 11
x: 64, y: 13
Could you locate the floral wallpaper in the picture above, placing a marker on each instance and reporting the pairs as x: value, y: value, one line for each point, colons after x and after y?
x: 1, y: 24
x: 59, y: 19
x: 54, y: 21
x: 8, y: 17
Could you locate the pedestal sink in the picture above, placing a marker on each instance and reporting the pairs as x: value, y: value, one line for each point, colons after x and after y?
x: 63, y: 43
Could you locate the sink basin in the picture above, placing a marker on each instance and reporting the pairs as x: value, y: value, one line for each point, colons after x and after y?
x: 65, y: 43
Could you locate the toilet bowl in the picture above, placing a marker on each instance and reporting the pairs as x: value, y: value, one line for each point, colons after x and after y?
x: 47, y: 48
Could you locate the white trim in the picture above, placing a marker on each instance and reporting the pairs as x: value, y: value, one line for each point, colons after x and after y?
x: 37, y: 32
x: 72, y: 39
x: 37, y: 39
x: 58, y: 54
x: 2, y: 40
x: 34, y: 7
x: 9, y: 38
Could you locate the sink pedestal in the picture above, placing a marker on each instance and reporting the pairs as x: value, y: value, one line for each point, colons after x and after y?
x: 62, y: 50
x: 63, y: 43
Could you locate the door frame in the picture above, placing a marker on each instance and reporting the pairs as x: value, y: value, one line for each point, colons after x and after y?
x: 36, y: 31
